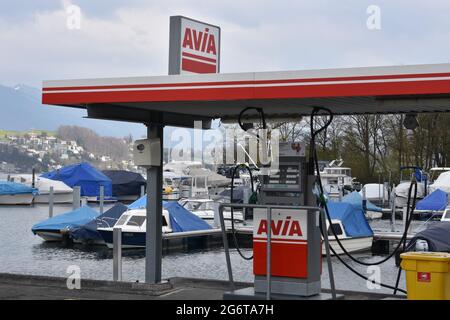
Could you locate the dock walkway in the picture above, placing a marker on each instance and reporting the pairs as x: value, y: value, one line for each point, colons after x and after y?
x: 32, y: 287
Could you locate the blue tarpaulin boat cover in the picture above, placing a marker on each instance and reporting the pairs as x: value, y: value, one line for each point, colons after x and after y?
x: 125, y: 183
x: 181, y: 219
x: 11, y: 188
x: 352, y: 217
x: 436, y: 235
x: 89, y: 231
x: 83, y: 175
x: 139, y: 203
x: 356, y: 199
x: 436, y: 200
x: 67, y: 220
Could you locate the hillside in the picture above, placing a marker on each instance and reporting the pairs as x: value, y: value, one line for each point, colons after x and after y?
x: 22, y: 110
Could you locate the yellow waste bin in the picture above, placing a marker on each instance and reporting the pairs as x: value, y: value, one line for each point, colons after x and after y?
x: 427, y: 275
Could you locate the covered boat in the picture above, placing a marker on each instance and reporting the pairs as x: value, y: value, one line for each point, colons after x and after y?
x: 133, y: 223
x: 372, y: 211
x: 16, y: 193
x: 126, y: 185
x: 88, y: 233
x: 85, y: 176
x: 442, y: 182
x: 435, y: 201
x: 351, y: 227
x: 54, y: 228
x: 436, y: 236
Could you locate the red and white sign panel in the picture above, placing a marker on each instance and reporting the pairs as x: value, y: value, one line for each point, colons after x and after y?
x: 195, y: 47
x: 289, y: 246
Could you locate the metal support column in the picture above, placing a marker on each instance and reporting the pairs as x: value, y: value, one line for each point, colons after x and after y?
x: 153, y: 249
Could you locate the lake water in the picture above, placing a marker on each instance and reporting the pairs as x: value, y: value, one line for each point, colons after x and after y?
x: 22, y: 252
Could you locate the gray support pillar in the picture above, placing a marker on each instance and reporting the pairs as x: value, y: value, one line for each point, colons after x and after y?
x: 153, y: 249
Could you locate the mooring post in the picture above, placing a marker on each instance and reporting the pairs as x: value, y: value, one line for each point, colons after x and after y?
x: 117, y: 254
x: 246, y: 196
x: 102, y: 198
x: 50, y: 202
x: 393, y: 208
x: 142, y: 190
x: 76, y: 197
x: 216, y: 223
x: 364, y: 200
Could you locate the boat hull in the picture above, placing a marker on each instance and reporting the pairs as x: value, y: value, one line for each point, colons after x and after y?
x: 13, y: 199
x: 352, y: 245
x: 57, y: 198
x: 129, y: 239
x: 50, y: 235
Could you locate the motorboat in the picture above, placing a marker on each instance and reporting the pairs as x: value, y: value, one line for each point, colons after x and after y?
x: 351, y: 244
x: 13, y: 193
x: 62, y: 193
x: 402, y: 189
x: 87, y: 178
x: 126, y: 185
x: 88, y: 233
x: 175, y: 218
x: 376, y: 193
x: 204, y: 209
x: 351, y: 227
x: 57, y: 227
x: 335, y: 179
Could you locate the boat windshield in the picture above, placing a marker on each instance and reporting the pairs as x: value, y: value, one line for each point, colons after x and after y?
x: 197, y: 205
x: 136, y: 221
x: 122, y: 220
x: 337, y: 229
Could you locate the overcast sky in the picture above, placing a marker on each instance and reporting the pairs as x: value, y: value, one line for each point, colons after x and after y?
x: 124, y: 38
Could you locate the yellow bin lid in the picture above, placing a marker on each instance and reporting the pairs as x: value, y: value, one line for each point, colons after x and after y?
x: 428, y: 256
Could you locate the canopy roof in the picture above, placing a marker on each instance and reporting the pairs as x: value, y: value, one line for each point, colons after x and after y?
x: 395, y: 89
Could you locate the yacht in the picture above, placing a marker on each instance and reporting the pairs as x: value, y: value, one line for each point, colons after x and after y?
x: 335, y: 178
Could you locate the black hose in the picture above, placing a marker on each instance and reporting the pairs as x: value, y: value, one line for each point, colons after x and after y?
x: 233, y: 231
x: 315, y: 164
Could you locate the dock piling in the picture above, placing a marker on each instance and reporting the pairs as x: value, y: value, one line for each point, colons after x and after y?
x: 142, y: 190
x: 76, y: 197
x: 117, y: 254
x: 51, y: 199
x: 393, y: 208
x: 102, y: 198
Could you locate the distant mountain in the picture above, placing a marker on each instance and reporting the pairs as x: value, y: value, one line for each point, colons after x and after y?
x: 21, y: 109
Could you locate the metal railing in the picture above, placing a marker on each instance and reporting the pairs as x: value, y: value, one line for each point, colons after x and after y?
x: 269, y: 209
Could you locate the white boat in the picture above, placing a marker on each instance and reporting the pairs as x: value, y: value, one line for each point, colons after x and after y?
x: 13, y: 193
x: 375, y: 193
x: 442, y: 182
x: 62, y: 193
x: 350, y: 244
x: 13, y: 199
x: 204, y: 209
x: 133, y: 225
x: 336, y: 178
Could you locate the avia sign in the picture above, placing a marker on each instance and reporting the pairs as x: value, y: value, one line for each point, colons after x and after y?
x: 194, y: 46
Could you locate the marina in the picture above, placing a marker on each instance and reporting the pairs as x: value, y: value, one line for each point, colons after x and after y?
x: 235, y: 178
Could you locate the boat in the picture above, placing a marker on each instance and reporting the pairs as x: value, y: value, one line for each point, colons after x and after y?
x: 350, y: 226
x: 204, y: 209
x: 375, y: 193
x: 126, y: 185
x: 432, y: 205
x: 402, y: 189
x: 87, y: 178
x: 335, y: 179
x: 88, y: 233
x: 57, y: 227
x: 434, y: 238
x: 442, y: 182
x: 62, y: 193
x: 13, y: 193
x: 371, y: 211
x: 133, y: 224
